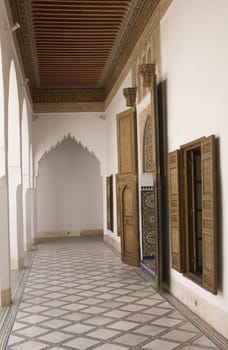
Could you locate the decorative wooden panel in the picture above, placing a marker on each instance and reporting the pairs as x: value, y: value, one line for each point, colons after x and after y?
x: 130, y: 235
x: 209, y: 219
x: 109, y: 198
x: 129, y: 239
x: 174, y: 211
x: 128, y: 202
x: 126, y: 128
x: 118, y: 205
x: 127, y: 187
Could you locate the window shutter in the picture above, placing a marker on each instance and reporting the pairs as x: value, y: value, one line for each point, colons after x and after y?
x: 174, y: 211
x: 209, y: 220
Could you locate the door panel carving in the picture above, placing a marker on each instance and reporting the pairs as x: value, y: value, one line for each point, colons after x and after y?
x: 127, y: 187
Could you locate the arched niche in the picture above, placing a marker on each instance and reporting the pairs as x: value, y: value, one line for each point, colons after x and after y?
x: 86, y: 128
x: 69, y: 190
x: 148, y: 146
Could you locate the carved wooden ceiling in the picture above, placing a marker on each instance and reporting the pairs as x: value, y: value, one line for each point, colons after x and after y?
x: 76, y: 45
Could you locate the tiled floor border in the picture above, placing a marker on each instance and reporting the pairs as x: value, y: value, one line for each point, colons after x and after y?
x: 8, y: 314
x: 202, y: 325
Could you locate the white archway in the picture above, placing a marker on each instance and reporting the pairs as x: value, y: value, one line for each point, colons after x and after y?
x: 25, y: 177
x: 5, y: 289
x: 14, y: 174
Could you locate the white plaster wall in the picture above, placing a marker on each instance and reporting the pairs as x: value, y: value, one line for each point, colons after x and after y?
x: 69, y: 189
x: 117, y: 105
x: 86, y: 128
x: 194, y: 36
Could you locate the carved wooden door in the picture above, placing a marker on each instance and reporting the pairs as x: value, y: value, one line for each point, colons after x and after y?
x: 129, y: 220
x: 127, y: 184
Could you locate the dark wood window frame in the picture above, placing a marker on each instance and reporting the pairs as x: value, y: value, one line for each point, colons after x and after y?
x: 109, y: 201
x: 191, y: 166
x: 189, y: 153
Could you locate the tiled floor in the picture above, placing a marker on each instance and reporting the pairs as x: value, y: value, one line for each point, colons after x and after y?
x: 80, y: 296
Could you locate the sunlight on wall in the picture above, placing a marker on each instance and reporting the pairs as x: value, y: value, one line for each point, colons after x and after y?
x: 25, y: 140
x: 14, y: 174
x: 31, y: 165
x: 25, y: 177
x: 13, y: 120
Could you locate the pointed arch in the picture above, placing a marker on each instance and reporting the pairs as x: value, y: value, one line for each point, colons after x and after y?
x: 13, y: 120
x: 14, y: 173
x: 69, y: 190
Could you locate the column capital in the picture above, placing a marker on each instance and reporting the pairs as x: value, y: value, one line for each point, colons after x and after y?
x: 148, y: 72
x: 130, y: 95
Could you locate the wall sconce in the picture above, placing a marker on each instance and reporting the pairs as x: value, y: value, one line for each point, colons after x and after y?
x: 130, y: 95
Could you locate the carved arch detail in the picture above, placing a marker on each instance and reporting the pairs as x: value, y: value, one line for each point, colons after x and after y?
x: 59, y: 142
x: 148, y: 146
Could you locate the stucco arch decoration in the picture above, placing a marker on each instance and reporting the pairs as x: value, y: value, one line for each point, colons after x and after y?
x: 88, y: 129
x: 58, y: 143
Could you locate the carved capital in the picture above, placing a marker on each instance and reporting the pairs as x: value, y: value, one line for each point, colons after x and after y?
x: 130, y: 95
x: 148, y: 72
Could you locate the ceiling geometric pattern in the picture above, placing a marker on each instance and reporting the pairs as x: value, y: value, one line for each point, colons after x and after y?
x: 74, y: 46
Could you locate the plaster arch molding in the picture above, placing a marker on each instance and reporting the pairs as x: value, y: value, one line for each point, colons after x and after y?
x: 58, y: 143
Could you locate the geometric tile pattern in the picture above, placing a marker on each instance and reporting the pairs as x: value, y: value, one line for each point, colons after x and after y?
x: 79, y: 295
x: 148, y: 221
